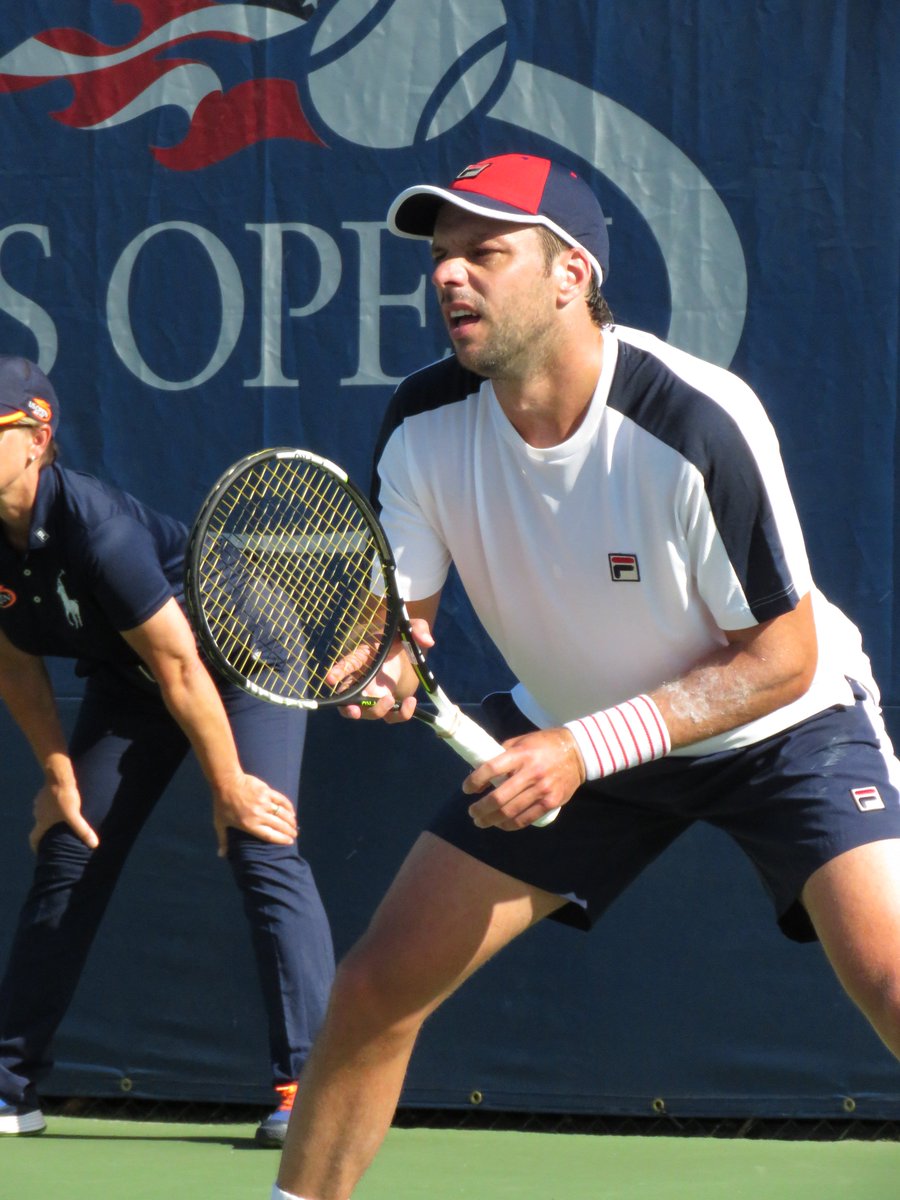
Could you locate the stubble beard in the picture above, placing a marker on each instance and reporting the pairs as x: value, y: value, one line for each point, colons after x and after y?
x: 512, y: 352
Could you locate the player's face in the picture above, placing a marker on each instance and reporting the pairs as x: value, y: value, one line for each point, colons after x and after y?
x: 16, y: 445
x: 497, y: 297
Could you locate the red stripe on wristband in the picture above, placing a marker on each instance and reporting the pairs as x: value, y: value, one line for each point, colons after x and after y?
x: 598, y: 733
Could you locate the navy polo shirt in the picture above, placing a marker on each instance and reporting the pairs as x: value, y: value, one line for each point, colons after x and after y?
x: 98, y: 562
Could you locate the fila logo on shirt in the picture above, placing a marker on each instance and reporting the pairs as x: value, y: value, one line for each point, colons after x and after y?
x: 7, y: 597
x: 623, y: 568
x: 868, y: 799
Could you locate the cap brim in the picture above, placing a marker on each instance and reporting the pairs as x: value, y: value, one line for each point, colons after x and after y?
x: 415, y: 210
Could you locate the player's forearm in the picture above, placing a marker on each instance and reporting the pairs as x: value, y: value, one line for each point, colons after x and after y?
x: 759, y: 671
x: 729, y: 689
x: 707, y: 701
x: 26, y: 691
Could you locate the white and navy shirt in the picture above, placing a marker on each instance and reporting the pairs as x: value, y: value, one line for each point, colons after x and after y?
x: 98, y: 562
x: 606, y: 565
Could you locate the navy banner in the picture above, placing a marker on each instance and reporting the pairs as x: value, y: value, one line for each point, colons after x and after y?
x: 193, y: 246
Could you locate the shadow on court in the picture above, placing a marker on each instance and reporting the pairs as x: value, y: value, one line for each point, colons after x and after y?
x: 89, y: 1159
x: 136, y: 1134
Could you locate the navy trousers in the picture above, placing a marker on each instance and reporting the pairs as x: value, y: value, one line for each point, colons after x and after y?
x: 126, y: 748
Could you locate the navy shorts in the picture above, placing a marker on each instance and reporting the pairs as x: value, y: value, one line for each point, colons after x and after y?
x: 791, y: 802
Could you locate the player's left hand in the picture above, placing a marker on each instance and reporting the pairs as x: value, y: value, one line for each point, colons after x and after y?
x: 538, y: 772
x: 251, y: 805
x: 390, y: 696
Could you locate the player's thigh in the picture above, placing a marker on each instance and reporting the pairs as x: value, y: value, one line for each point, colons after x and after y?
x: 445, y: 915
x: 853, y: 902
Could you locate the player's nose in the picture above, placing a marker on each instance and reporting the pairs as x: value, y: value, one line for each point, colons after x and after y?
x: 449, y: 273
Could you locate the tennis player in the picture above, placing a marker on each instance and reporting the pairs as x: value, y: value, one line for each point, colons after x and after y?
x: 89, y: 573
x: 618, y: 513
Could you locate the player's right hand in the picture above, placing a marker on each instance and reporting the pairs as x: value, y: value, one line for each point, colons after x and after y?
x: 538, y: 772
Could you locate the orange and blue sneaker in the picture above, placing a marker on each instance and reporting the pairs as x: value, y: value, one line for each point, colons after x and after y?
x: 271, y: 1132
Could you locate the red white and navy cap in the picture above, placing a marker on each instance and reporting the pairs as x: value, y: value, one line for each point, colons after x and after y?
x: 26, y: 394
x: 513, y: 187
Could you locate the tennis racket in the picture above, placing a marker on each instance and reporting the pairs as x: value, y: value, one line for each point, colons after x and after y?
x: 291, y: 589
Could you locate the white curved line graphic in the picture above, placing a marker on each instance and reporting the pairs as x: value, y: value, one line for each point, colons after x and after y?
x: 184, y: 87
x: 696, y: 236
x: 35, y: 58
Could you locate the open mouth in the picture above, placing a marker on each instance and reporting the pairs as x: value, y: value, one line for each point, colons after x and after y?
x: 461, y: 319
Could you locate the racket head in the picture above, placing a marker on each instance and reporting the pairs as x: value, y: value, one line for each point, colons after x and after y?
x: 288, y: 574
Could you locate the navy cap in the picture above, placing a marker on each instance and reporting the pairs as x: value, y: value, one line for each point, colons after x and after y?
x: 513, y: 187
x: 26, y: 394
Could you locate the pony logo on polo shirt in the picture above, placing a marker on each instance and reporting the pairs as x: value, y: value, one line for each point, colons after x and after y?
x: 623, y: 568
x: 71, y: 607
x: 868, y: 799
x: 7, y: 597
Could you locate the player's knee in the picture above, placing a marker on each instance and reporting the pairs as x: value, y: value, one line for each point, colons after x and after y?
x: 369, y: 991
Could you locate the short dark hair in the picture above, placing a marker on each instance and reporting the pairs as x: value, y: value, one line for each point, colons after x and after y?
x: 553, y: 244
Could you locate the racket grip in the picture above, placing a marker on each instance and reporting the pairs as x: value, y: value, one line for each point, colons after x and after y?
x: 547, y: 819
x: 476, y: 746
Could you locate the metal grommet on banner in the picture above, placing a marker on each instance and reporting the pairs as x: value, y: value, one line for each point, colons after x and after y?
x: 125, y: 1084
x: 476, y: 1097
x: 658, y: 1105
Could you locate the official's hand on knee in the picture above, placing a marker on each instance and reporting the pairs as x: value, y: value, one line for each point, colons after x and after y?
x: 57, y: 803
x: 251, y: 805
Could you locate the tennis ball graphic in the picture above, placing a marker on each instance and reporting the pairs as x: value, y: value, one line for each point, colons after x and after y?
x: 389, y: 76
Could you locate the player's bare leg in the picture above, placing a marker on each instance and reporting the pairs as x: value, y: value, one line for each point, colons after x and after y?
x: 854, y: 904
x: 443, y: 917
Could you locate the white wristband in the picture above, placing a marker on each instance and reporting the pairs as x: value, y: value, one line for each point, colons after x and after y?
x: 615, y: 739
x: 278, y: 1194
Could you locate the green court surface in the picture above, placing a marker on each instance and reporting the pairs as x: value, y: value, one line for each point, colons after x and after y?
x: 85, y: 1159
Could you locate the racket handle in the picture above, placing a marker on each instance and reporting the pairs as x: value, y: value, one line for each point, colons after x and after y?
x: 547, y: 819
x: 475, y: 745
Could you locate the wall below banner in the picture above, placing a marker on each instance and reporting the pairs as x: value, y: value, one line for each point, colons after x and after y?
x: 686, y: 996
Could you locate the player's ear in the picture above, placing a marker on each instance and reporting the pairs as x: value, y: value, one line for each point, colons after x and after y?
x: 573, y: 273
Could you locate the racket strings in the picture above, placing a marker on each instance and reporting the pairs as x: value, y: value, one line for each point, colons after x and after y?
x: 250, y: 521
x: 256, y: 541
x: 290, y: 575
x: 329, y: 530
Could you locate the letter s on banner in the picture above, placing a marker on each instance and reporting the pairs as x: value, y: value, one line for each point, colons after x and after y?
x: 25, y: 311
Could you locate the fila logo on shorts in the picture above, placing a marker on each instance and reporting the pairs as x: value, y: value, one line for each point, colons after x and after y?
x: 624, y: 568
x: 868, y: 799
